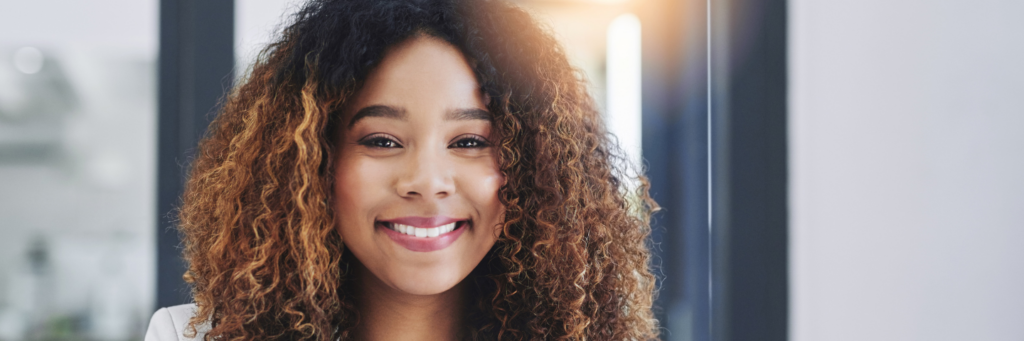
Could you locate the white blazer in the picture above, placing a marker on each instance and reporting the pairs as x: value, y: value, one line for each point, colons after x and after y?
x: 168, y: 324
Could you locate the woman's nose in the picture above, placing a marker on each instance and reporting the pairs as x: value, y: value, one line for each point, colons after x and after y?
x: 426, y: 175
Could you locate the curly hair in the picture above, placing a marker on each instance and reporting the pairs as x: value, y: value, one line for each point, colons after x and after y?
x: 265, y: 258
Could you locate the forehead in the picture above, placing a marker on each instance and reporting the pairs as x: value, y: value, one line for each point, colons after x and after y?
x: 421, y: 73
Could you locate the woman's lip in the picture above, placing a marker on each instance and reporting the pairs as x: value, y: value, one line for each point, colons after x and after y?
x: 425, y: 244
x: 423, y: 222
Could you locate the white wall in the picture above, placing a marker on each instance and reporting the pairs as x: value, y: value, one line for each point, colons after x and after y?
x: 907, y: 170
x: 257, y: 24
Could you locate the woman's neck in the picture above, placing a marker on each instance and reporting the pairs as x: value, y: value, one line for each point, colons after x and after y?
x: 389, y: 314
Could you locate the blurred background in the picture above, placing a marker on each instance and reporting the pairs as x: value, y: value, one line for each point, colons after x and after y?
x: 906, y: 155
x: 899, y: 140
x: 77, y: 168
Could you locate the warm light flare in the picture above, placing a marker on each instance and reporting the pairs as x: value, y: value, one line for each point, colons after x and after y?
x: 623, y: 77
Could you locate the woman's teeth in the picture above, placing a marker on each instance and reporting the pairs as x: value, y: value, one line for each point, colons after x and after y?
x: 423, y: 232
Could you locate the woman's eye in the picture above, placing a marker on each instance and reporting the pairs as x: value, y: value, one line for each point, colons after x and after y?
x: 469, y: 142
x: 379, y: 142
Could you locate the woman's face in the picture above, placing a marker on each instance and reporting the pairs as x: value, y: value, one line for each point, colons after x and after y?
x: 416, y: 193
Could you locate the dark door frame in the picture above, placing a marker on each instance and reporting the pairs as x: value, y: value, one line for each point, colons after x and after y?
x: 749, y: 170
x: 195, y: 71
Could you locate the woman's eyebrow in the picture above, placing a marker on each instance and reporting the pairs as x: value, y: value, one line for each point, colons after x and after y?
x: 378, y: 111
x: 468, y: 114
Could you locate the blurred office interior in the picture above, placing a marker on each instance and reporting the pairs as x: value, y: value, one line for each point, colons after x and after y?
x: 875, y: 195
x: 77, y: 168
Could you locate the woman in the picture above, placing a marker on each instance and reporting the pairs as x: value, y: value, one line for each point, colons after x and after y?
x: 407, y: 170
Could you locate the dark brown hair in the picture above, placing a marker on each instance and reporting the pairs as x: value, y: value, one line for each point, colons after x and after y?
x: 265, y: 259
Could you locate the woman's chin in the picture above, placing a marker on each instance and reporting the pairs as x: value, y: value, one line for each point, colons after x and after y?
x: 424, y: 283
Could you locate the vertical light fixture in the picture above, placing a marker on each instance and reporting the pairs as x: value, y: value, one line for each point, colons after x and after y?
x: 623, y: 85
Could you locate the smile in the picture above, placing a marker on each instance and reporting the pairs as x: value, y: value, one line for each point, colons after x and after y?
x: 423, y: 234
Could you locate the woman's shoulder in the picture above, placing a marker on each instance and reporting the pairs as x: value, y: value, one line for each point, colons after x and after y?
x: 170, y: 323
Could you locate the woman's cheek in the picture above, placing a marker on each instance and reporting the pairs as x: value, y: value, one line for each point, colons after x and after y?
x: 358, y: 188
x: 487, y: 182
